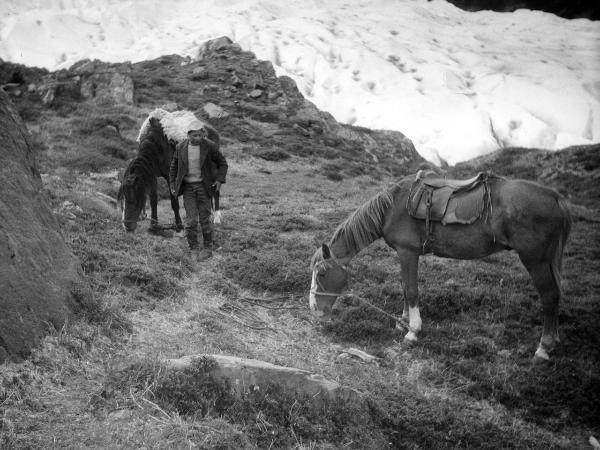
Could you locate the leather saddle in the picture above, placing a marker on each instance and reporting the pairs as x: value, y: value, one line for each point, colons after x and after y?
x: 448, y: 201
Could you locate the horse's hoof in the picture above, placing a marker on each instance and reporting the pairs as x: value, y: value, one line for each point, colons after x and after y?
x: 410, y: 338
x: 541, y: 356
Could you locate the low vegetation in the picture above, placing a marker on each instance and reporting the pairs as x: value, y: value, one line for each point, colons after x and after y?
x: 100, y: 381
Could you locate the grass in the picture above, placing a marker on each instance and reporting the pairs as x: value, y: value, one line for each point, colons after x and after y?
x: 469, y: 382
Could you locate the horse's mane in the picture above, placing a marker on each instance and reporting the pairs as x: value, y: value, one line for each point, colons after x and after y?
x: 175, y: 125
x: 365, y: 224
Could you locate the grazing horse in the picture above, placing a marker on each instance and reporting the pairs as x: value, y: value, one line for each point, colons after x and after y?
x: 140, y: 178
x: 453, y: 219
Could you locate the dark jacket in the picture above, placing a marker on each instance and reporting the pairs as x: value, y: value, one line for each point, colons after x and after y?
x: 213, y: 165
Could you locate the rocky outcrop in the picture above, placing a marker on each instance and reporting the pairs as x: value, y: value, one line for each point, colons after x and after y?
x: 37, y: 269
x: 569, y: 9
x: 239, y: 86
x: 110, y: 83
x: 85, y: 80
x: 241, y: 96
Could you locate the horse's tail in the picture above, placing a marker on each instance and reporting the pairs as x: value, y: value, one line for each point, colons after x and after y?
x: 560, y: 241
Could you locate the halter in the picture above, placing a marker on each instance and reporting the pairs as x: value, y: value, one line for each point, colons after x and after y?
x: 318, y: 283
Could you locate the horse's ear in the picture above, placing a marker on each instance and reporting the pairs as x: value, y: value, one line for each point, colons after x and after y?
x: 326, y: 251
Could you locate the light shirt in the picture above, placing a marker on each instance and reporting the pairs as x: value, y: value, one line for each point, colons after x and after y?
x: 194, y: 174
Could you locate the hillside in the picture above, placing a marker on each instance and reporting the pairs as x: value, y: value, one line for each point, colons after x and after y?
x: 294, y: 175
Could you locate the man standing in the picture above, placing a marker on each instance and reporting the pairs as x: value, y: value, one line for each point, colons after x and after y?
x: 197, y: 171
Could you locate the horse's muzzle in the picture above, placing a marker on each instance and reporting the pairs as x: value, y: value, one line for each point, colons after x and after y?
x: 129, y: 226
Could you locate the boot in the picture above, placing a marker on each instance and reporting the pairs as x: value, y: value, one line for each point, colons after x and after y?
x: 206, y: 252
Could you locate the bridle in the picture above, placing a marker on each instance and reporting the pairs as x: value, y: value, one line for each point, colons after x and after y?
x: 318, y: 284
x: 126, y: 221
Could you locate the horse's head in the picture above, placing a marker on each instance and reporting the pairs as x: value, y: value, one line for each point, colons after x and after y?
x: 329, y: 279
x: 132, y: 200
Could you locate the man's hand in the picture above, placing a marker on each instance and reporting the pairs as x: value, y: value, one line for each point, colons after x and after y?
x: 216, y: 186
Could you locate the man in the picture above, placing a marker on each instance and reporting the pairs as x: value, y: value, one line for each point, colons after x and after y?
x: 197, y: 171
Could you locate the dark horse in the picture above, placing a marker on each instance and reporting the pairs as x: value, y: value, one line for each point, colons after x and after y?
x: 519, y: 215
x: 139, y: 180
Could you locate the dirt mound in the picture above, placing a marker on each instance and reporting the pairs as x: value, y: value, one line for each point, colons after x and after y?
x: 36, y: 266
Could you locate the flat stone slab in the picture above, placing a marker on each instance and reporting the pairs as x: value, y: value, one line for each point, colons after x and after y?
x: 252, y: 374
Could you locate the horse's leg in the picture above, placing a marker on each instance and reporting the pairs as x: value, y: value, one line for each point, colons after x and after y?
x: 175, y: 208
x: 409, y: 262
x: 549, y: 291
x: 153, y: 203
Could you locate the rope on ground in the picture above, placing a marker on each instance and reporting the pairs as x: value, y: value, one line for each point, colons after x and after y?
x: 243, y: 316
x: 267, y: 302
x: 238, y: 312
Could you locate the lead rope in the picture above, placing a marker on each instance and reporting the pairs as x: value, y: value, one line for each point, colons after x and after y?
x: 399, y: 320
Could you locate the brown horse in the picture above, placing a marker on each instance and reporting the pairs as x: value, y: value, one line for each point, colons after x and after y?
x: 514, y: 215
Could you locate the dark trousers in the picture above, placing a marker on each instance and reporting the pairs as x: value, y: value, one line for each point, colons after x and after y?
x: 196, y: 202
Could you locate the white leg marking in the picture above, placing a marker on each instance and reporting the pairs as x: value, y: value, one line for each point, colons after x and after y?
x: 414, y: 317
x: 312, y: 301
x: 414, y: 324
x: 542, y: 354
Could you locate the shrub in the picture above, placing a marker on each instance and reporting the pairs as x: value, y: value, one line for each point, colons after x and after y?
x: 91, y: 306
x: 273, y: 155
x: 361, y: 324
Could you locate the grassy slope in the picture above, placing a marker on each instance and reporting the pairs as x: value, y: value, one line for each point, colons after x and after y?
x: 469, y: 382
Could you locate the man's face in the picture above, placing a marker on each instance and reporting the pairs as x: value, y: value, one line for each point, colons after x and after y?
x: 195, y: 136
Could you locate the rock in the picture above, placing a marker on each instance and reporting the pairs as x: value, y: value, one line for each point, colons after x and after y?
x: 217, y: 45
x: 504, y: 353
x: 245, y: 374
x: 199, y: 73
x: 47, y: 89
x: 171, y: 106
x: 103, y: 82
x: 108, y: 88
x: 235, y: 81
x: 214, y: 111
x: 302, y: 131
x: 255, y: 93
x: 37, y: 268
x: 359, y: 354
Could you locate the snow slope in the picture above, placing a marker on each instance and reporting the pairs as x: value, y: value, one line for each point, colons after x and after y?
x: 459, y: 84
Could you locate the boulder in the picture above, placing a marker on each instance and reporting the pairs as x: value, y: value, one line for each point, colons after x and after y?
x: 37, y: 268
x: 252, y: 374
x: 255, y: 93
x: 214, y: 111
x: 218, y: 45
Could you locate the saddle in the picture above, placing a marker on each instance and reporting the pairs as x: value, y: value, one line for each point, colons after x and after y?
x: 448, y: 201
